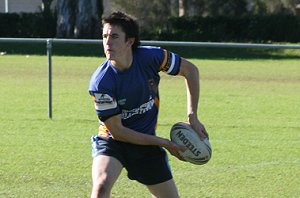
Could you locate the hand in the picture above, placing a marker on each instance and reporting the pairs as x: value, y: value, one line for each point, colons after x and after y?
x: 198, y: 126
x: 174, y: 149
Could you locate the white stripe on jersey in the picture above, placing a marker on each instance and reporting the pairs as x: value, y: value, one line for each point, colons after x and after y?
x: 104, y: 102
x: 106, y: 106
x: 172, y: 63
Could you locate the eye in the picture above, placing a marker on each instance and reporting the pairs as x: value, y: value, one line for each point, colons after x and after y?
x: 114, y: 36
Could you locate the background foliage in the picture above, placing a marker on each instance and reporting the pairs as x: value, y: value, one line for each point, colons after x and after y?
x: 27, y: 25
x: 253, y: 28
x: 190, y: 20
x: 250, y: 28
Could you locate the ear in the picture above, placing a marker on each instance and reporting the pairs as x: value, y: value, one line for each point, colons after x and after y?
x: 130, y: 41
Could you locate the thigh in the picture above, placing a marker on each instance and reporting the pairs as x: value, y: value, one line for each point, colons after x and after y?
x: 148, y: 165
x: 165, y: 189
x: 106, y: 169
x: 107, y: 164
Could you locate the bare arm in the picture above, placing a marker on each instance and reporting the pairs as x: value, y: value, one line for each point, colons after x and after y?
x: 192, y: 79
x: 124, y: 134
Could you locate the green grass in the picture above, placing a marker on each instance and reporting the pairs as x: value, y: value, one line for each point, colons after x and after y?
x: 251, y: 109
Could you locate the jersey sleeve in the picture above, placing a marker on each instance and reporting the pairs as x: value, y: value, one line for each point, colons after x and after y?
x: 101, y: 89
x: 160, y: 59
x: 170, y: 63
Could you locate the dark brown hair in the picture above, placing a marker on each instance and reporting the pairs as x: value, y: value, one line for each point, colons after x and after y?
x: 128, y: 24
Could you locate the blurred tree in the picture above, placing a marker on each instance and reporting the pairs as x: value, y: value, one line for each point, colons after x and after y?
x: 212, y: 7
x: 279, y: 6
x: 233, y: 8
x: 149, y: 13
x: 78, y: 18
x: 191, y: 7
x: 292, y: 5
x: 174, y: 6
x: 46, y: 7
x: 257, y: 7
x: 86, y: 19
x: 65, y: 18
x: 236, y: 8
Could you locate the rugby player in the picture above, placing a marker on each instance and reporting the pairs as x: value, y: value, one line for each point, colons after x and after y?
x: 126, y: 99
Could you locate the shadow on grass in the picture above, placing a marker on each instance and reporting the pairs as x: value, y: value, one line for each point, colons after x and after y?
x: 237, y: 53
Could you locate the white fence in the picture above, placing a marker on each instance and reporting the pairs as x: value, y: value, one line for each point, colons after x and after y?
x: 48, y: 42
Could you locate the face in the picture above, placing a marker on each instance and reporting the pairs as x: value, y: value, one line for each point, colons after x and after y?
x: 114, y: 42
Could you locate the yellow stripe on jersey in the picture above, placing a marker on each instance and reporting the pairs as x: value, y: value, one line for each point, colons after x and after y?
x: 165, y: 61
x: 156, y: 102
x: 103, y: 131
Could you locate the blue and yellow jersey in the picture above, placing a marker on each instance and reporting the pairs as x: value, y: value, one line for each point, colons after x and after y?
x: 133, y: 93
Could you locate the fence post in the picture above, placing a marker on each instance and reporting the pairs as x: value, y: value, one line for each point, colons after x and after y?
x: 49, y: 55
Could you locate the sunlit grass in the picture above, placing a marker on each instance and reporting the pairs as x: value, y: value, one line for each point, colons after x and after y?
x: 250, y: 108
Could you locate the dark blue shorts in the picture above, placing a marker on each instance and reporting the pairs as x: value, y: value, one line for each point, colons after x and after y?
x: 148, y: 165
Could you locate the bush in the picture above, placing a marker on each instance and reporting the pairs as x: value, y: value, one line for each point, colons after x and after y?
x: 27, y: 25
x: 252, y: 28
x: 276, y: 28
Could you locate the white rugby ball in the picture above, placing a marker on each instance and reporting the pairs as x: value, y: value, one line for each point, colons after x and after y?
x: 198, y: 151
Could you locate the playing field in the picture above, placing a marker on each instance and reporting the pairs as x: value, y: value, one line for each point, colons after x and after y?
x: 251, y: 109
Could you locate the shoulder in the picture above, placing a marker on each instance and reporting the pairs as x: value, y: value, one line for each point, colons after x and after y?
x: 103, y: 75
x: 149, y: 51
x: 149, y: 55
x: 158, y: 58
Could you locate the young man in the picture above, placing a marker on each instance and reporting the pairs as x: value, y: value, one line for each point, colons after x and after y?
x: 125, y: 91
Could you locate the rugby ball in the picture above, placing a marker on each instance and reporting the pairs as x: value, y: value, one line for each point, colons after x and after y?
x: 198, y: 151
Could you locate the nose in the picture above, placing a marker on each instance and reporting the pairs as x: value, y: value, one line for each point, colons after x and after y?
x: 107, y: 40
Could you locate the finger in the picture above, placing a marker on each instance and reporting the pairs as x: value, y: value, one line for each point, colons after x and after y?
x: 180, y: 157
x: 203, y: 130
x: 205, y: 133
x: 182, y: 148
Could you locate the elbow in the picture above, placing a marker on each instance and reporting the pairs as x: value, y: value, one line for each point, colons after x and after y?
x: 196, y: 71
x: 118, y: 137
x: 119, y: 134
x: 192, y: 73
x: 189, y: 70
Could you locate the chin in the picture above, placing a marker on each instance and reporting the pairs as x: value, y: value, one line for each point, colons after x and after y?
x: 109, y: 57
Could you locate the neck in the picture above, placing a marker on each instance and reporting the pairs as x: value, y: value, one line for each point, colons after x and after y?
x: 124, y: 62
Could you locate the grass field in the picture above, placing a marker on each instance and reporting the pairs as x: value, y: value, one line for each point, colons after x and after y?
x: 251, y: 109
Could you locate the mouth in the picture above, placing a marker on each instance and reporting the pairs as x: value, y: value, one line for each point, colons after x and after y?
x: 109, y: 51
